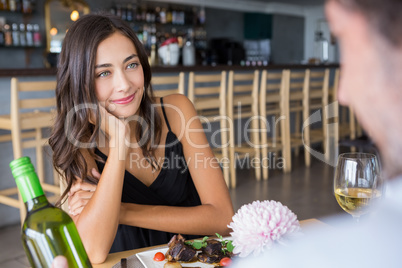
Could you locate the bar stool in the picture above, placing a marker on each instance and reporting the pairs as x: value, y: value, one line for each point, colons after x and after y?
x: 164, y: 85
x: 28, y: 116
x: 315, y: 97
x: 295, y: 104
x: 208, y: 94
x: 274, y: 103
x: 243, y: 104
x: 344, y: 126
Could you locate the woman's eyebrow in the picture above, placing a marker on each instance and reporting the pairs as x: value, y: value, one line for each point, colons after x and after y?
x: 130, y: 57
x: 109, y: 65
x: 103, y: 65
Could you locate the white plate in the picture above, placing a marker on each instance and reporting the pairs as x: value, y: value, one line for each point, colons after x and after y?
x: 147, y: 259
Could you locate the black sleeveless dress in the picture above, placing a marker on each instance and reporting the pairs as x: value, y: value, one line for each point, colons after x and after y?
x: 172, y: 187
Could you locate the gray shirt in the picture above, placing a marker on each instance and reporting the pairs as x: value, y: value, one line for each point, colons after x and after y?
x: 375, y: 241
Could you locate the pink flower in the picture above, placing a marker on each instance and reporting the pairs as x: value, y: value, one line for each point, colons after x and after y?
x: 257, y: 226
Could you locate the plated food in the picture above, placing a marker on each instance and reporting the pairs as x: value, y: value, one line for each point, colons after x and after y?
x: 211, y: 251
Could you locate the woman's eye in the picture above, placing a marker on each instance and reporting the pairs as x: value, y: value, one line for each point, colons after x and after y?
x: 103, y: 74
x: 132, y: 65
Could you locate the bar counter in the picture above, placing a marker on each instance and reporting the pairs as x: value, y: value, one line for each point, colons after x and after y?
x: 173, y: 69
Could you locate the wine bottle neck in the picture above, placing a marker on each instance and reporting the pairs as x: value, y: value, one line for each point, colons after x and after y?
x: 36, y: 203
x: 29, y: 186
x: 25, y: 176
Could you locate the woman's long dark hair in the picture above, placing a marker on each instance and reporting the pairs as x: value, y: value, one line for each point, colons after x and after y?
x: 76, y: 99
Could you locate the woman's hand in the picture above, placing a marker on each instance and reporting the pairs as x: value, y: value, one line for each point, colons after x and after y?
x: 113, y: 127
x: 80, y: 194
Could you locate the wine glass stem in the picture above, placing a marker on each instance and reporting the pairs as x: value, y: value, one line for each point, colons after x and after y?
x: 357, y: 219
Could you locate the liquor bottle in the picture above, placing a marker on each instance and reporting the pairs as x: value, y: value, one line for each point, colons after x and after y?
x: 189, y: 50
x: 8, y: 38
x: 130, y: 13
x: 29, y: 35
x: 123, y: 13
x: 201, y: 16
x: 12, y: 5
x: 169, y: 15
x: 4, y: 5
x: 23, y: 38
x: 162, y: 15
x: 26, y: 6
x: 16, y: 34
x: 37, y: 37
x: 47, y: 230
x: 2, y: 41
x: 321, y: 47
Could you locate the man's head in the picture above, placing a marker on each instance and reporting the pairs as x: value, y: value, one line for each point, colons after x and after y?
x: 369, y: 33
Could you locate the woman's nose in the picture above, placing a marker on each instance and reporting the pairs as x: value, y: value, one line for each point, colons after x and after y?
x: 121, y: 82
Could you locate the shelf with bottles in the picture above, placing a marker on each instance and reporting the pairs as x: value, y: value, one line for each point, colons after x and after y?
x: 159, y: 13
x: 161, y: 20
x: 20, y: 35
x: 24, y: 7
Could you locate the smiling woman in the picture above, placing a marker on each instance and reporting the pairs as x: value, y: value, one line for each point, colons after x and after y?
x: 119, y: 79
x: 126, y: 156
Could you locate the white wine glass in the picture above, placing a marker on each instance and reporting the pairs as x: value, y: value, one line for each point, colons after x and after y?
x: 357, y: 182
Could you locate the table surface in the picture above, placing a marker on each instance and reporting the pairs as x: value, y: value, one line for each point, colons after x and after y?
x: 114, y: 258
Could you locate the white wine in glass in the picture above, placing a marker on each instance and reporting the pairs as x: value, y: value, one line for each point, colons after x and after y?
x: 357, y: 182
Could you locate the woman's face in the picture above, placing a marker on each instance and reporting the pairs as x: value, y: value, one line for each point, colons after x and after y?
x: 119, y: 78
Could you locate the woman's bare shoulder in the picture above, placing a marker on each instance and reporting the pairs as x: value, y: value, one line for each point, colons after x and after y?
x: 179, y: 111
x: 178, y: 101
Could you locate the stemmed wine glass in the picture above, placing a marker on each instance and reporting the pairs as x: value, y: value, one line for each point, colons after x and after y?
x: 357, y: 182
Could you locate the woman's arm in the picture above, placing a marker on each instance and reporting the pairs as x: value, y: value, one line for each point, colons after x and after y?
x: 216, y: 210
x: 97, y: 223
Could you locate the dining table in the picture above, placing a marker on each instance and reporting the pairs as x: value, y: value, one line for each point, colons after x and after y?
x: 114, y: 259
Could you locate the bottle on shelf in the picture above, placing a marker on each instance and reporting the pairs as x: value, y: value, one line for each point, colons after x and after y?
x: 37, y: 37
x: 130, y: 13
x: 47, y: 231
x: 201, y: 15
x: 23, y: 38
x: 169, y: 15
x: 189, y: 50
x: 12, y: 5
x: 321, y: 48
x: 29, y: 35
x: 157, y: 15
x: 138, y: 16
x: 162, y: 16
x: 4, y: 5
x: 123, y: 13
x: 143, y: 13
x: 27, y: 6
x: 8, y: 38
x: 118, y: 11
x: 2, y: 41
x: 15, y: 34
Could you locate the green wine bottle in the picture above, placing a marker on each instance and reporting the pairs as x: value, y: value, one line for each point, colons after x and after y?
x: 47, y: 230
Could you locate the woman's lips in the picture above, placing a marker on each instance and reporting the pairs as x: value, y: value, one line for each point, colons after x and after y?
x: 124, y: 100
